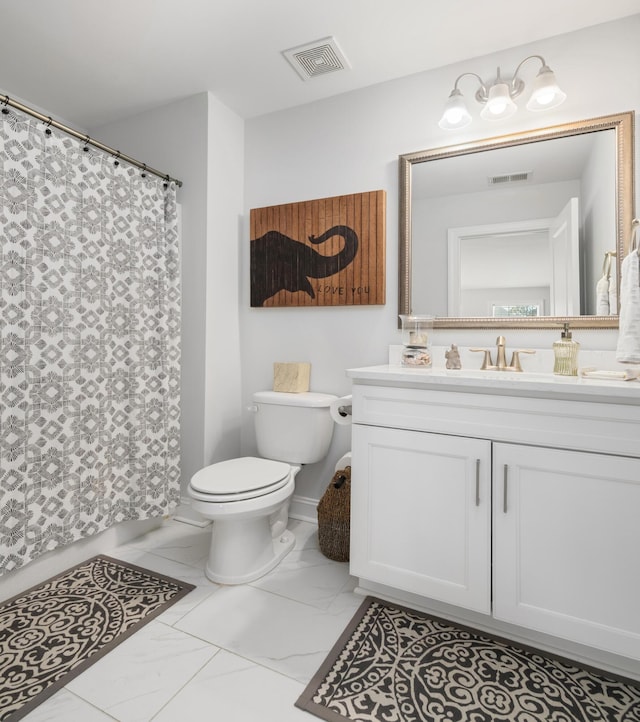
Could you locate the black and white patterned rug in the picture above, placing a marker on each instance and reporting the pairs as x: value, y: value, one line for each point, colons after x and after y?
x: 54, y: 631
x: 393, y: 664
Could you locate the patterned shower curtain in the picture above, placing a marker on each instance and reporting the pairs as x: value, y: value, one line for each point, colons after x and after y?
x: 89, y: 342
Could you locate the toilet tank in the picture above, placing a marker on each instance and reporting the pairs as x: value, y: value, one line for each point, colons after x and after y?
x: 296, y: 428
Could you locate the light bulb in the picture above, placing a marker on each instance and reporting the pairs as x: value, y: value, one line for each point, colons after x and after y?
x: 455, y: 113
x: 499, y: 104
x: 546, y: 97
x: 546, y: 93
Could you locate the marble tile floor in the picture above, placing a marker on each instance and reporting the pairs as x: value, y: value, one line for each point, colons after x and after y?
x: 230, y: 653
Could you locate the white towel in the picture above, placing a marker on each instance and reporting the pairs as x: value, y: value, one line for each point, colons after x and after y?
x: 613, y: 288
x: 628, y: 349
x: 602, y: 297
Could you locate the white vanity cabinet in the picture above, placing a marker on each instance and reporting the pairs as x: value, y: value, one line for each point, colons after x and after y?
x: 422, y: 520
x: 566, y: 544
x: 514, y: 504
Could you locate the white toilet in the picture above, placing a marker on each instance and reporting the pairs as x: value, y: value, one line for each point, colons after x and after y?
x: 248, y: 498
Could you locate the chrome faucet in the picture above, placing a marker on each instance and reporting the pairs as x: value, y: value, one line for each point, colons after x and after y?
x: 501, y: 359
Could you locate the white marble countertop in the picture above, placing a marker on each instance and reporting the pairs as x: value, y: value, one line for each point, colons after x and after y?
x: 546, y: 385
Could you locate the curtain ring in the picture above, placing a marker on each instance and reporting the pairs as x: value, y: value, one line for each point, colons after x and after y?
x: 167, y: 180
x: 86, y: 144
x: 47, y: 130
x: 117, y: 158
x: 144, y: 170
x: 5, y: 110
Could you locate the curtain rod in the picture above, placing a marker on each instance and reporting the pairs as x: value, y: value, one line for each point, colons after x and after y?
x: 7, y: 101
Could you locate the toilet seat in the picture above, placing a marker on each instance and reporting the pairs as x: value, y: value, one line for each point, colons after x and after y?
x: 238, y: 479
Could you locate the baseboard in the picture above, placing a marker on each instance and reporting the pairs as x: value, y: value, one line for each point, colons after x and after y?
x: 304, y: 508
x: 186, y: 515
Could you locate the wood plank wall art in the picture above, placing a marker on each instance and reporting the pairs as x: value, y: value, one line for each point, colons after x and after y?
x: 326, y: 252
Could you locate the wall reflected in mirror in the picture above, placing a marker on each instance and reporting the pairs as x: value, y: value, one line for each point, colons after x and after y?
x: 481, y: 281
x: 518, y: 228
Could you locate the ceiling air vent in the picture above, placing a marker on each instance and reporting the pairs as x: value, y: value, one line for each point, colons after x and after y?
x: 524, y: 175
x: 317, y: 58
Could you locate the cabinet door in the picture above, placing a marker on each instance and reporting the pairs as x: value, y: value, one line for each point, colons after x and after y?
x: 421, y: 513
x: 566, y: 541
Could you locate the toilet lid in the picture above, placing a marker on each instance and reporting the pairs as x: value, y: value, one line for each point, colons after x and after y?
x: 241, y: 478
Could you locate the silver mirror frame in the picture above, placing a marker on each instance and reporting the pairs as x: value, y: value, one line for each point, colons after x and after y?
x: 622, y: 123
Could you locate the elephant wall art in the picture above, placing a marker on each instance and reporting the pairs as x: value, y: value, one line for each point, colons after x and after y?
x: 327, y: 252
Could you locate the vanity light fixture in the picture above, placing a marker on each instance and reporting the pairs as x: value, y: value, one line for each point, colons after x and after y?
x: 498, y: 95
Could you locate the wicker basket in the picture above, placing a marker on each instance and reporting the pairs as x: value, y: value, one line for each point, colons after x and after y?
x: 334, y: 511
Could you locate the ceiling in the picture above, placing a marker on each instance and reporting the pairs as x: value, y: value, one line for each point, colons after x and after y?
x: 90, y: 62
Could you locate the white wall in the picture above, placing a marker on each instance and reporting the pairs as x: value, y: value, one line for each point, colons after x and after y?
x: 222, y: 396
x: 433, y: 217
x: 598, y: 213
x: 350, y: 144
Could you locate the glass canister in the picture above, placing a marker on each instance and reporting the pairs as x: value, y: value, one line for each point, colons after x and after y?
x: 416, y: 340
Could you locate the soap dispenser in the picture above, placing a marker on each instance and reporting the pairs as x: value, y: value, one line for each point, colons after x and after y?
x: 565, y: 351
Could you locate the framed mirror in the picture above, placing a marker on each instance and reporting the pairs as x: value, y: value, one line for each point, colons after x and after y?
x: 518, y: 231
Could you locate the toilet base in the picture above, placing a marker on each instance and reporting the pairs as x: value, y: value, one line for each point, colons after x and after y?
x: 247, y: 562
x: 249, y: 537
